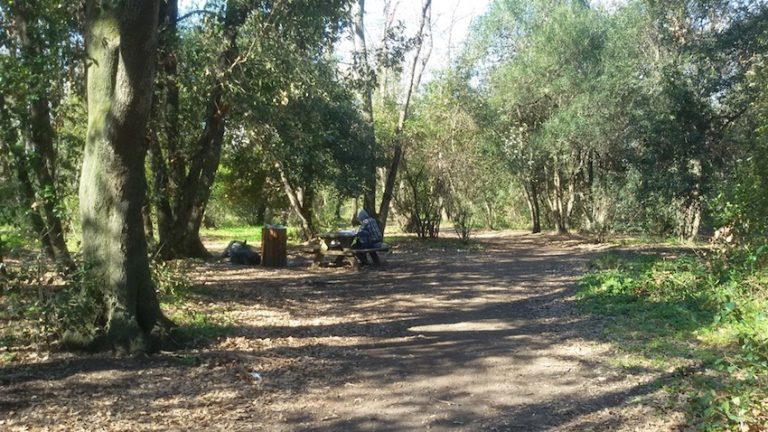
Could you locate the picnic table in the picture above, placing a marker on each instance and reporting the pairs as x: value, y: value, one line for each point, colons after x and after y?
x: 338, y: 244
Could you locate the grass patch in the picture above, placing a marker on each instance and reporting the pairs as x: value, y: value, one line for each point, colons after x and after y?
x: 13, y: 239
x: 249, y: 233
x: 647, y: 239
x: 691, y: 312
x: 197, y: 327
x: 252, y: 234
x: 188, y: 305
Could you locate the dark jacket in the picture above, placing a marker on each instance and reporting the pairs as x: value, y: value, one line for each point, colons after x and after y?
x: 369, y: 233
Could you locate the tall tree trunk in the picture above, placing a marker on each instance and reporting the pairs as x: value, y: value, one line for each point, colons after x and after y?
x: 193, y: 187
x: 146, y: 216
x: 167, y: 167
x: 39, y: 134
x: 15, y: 157
x: 160, y: 193
x: 3, y: 271
x: 413, y: 83
x: 560, y: 223
x: 29, y: 199
x: 692, y: 219
x: 389, y: 185
x: 301, y: 204
x: 190, y: 182
x: 169, y: 41
x: 690, y: 213
x: 120, y: 41
x: 196, y: 190
x: 556, y: 201
x: 532, y: 198
x: 365, y: 78
x: 490, y: 218
x: 261, y: 212
x: 41, y: 161
x: 308, y: 210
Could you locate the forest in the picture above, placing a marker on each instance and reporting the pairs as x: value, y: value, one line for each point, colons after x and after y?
x: 139, y: 136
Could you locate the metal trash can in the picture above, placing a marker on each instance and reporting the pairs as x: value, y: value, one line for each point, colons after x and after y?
x: 274, y: 246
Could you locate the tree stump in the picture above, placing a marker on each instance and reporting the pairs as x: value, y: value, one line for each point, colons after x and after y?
x: 274, y: 241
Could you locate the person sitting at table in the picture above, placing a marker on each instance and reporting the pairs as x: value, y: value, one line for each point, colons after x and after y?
x: 368, y: 235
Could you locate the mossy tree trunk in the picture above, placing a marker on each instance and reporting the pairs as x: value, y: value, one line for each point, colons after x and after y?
x: 121, y: 43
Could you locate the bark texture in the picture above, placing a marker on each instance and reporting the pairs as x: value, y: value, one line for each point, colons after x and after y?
x: 121, y: 42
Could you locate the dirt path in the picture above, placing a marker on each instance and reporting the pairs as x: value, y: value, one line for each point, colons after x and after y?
x: 438, y: 340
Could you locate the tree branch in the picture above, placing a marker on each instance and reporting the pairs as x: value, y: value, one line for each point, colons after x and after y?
x: 196, y: 12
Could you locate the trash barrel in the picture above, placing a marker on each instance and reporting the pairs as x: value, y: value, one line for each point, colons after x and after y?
x: 274, y: 239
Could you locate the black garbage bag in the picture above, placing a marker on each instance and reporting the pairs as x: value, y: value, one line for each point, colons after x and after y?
x: 239, y: 252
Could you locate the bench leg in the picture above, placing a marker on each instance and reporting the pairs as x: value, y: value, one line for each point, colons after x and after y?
x: 358, y: 259
x: 317, y: 260
x: 375, y: 258
x: 352, y: 260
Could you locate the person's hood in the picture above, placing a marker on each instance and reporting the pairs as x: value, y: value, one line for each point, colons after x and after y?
x: 362, y: 215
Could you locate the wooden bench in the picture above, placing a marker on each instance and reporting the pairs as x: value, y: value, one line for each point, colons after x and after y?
x: 345, y: 254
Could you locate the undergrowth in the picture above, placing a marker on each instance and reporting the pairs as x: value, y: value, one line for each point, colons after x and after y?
x: 42, y: 309
x: 178, y: 295
x: 40, y: 306
x: 705, y: 313
x: 13, y: 239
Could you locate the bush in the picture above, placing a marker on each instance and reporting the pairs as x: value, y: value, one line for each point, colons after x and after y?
x: 170, y: 280
x: 48, y: 308
x: 708, y: 309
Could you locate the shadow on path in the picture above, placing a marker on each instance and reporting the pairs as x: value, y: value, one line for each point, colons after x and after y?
x: 439, y: 339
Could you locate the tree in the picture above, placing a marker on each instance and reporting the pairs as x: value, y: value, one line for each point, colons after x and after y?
x: 446, y: 169
x: 540, y: 90
x: 121, y: 40
x: 257, y: 47
x: 741, y: 202
x: 418, y: 64
x: 691, y: 93
x: 526, y: 164
x: 35, y: 43
x: 364, y: 82
x: 292, y: 109
x: 183, y: 175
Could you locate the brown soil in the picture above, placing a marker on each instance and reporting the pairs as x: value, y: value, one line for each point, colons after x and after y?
x: 438, y: 339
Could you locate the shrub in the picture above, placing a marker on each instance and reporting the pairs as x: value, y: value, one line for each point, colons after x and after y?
x: 714, y: 306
